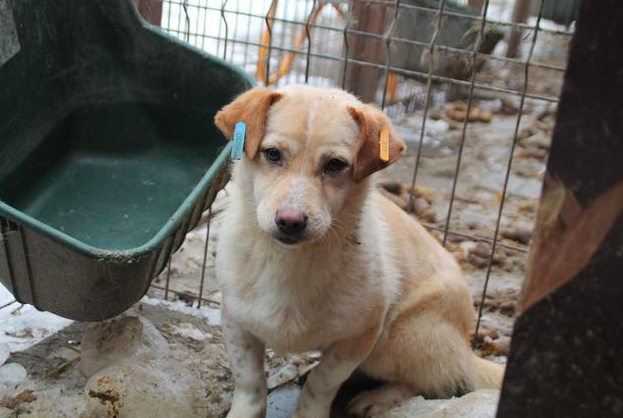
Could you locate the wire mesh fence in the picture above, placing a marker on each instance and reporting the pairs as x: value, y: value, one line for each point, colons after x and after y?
x: 418, y: 60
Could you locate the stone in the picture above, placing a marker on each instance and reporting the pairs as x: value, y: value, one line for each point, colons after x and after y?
x: 479, y: 404
x: 132, y: 373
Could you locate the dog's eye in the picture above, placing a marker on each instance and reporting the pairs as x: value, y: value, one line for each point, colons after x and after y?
x: 334, y: 165
x: 273, y: 155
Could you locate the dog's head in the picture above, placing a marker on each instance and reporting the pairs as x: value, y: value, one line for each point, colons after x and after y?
x: 309, y: 153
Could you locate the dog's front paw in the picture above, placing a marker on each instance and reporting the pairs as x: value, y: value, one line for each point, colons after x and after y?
x: 249, y: 411
x: 247, y: 408
x: 372, y: 402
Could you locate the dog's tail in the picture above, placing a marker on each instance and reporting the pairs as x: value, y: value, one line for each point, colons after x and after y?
x: 488, y: 374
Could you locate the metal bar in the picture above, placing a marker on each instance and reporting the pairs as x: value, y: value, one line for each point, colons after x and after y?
x: 269, y: 22
x: 226, y: 28
x: 466, y: 121
x: 4, y: 224
x: 6, y: 305
x: 20, y: 232
x: 236, y: 22
x: 166, y: 289
x: 168, y: 15
x: 186, y: 20
x: 197, y: 26
x: 522, y: 249
x: 401, y: 71
x: 431, y: 64
x: 152, y: 269
x: 246, y: 44
x: 177, y: 292
x: 309, y: 42
x: 203, y: 30
x: 396, y: 39
x: 345, y: 34
x: 205, y: 257
x: 388, y: 44
x: 508, y: 169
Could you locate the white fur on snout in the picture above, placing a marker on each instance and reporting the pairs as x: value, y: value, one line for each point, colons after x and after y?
x: 300, y: 191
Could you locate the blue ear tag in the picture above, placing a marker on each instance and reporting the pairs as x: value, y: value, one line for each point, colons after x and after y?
x: 239, y: 136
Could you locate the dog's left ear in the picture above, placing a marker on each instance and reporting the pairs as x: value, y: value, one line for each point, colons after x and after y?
x: 251, y: 107
x: 371, y: 122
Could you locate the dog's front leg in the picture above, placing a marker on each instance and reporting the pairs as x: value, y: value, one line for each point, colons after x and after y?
x: 337, y: 364
x: 246, y: 359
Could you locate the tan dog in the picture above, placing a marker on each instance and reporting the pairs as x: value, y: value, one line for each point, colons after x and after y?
x: 311, y: 256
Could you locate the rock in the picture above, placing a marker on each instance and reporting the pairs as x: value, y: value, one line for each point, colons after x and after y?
x: 59, y: 404
x: 479, y: 255
x: 508, y: 307
x: 537, y: 141
x: 284, y: 374
x: 477, y: 261
x: 157, y: 390
x: 482, y: 249
x: 458, y: 112
x: 119, y: 339
x: 429, y: 215
x: 282, y: 401
x: 479, y: 404
x: 12, y: 374
x: 424, y: 192
x: 6, y: 412
x: 520, y: 234
x: 25, y: 396
x: 133, y: 374
x: 537, y: 153
x: 394, y: 187
x: 474, y: 225
x: 420, y: 205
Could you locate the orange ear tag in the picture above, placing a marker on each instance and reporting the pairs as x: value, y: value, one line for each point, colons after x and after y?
x: 384, y: 146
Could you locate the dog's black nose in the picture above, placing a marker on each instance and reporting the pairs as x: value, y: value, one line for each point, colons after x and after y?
x: 291, y: 221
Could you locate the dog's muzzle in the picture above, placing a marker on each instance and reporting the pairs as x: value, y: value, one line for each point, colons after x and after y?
x: 291, y: 224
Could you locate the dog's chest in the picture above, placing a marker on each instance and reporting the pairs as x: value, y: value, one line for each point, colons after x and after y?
x: 294, y: 307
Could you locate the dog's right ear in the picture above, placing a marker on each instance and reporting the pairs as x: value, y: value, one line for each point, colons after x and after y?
x: 371, y: 122
x: 251, y: 107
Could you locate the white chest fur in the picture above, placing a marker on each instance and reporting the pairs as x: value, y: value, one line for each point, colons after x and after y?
x: 304, y: 298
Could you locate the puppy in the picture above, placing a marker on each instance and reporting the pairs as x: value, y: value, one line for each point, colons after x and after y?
x: 312, y: 256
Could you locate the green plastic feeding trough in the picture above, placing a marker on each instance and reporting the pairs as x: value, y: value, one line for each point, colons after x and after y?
x: 108, y: 151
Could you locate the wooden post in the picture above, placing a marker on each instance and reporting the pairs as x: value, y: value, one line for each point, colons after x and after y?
x: 150, y: 10
x: 521, y: 11
x: 565, y: 356
x: 362, y: 80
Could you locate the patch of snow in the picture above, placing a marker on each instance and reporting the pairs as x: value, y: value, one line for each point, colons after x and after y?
x: 22, y: 326
x: 213, y: 315
x: 190, y: 331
